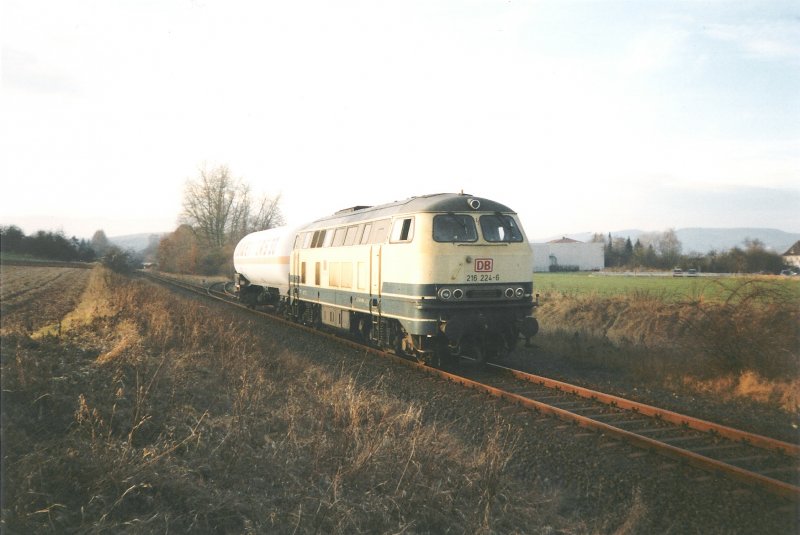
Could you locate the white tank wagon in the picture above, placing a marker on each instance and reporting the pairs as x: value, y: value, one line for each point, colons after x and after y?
x: 261, y: 261
x: 431, y: 276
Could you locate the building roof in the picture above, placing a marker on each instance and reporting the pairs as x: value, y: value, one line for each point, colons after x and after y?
x: 564, y: 239
x: 794, y: 250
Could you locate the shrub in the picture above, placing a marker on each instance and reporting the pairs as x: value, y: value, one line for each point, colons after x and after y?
x: 119, y: 261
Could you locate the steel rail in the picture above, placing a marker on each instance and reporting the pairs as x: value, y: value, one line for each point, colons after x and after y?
x: 792, y: 450
x: 775, y: 486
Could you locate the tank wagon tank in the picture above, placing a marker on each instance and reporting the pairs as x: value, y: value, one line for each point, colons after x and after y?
x: 261, y: 261
x: 431, y: 277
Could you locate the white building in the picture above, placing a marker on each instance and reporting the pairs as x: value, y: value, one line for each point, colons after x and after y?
x: 568, y: 254
x: 792, y: 256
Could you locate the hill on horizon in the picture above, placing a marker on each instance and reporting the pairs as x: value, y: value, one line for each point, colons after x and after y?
x: 135, y: 242
x: 703, y: 240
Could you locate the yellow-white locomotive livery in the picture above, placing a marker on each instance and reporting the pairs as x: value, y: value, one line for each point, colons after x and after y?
x: 430, y: 277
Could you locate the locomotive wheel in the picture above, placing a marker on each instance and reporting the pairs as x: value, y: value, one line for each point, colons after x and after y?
x: 398, y: 346
x: 401, y: 342
x: 496, y: 347
x: 364, y: 328
x: 442, y: 357
x: 480, y: 355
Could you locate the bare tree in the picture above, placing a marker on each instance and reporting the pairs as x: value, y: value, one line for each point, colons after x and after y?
x: 210, y: 201
x: 669, y: 247
x: 240, y: 215
x: 219, y: 207
x: 248, y: 216
x: 268, y: 215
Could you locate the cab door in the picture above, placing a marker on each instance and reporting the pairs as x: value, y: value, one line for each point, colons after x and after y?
x: 375, y: 278
x: 294, y: 275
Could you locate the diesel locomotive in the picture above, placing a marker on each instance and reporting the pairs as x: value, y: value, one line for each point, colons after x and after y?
x: 431, y: 277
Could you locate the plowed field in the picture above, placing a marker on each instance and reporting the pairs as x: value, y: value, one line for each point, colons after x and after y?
x: 34, y: 297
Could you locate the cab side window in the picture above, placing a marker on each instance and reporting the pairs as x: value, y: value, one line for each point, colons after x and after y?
x: 403, y: 230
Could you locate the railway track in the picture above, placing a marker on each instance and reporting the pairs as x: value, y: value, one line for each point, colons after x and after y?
x: 753, y: 459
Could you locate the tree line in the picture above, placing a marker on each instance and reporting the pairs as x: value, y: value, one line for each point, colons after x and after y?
x: 218, y: 211
x: 663, y: 251
x: 46, y: 245
x: 49, y: 245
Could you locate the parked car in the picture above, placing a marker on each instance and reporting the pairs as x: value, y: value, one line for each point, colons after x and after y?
x: 677, y: 272
x: 692, y: 273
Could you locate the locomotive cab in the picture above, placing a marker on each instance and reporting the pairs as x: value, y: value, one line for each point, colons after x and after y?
x: 473, y: 268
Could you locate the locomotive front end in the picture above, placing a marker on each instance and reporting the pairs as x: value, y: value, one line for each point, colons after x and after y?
x: 488, y: 292
x: 474, y: 270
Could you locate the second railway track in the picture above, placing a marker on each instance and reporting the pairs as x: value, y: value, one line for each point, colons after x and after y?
x: 747, y: 457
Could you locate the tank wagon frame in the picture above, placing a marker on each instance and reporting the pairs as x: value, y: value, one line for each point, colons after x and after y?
x: 430, y: 277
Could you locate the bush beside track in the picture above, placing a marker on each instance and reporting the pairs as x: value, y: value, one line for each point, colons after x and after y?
x: 735, y: 337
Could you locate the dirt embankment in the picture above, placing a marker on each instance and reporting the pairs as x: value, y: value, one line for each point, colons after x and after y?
x: 149, y: 412
x: 746, y: 346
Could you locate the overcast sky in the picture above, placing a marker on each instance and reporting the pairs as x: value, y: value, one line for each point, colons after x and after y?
x: 581, y: 116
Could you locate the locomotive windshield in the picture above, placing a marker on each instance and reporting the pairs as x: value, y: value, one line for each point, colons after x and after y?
x: 450, y: 228
x: 500, y: 228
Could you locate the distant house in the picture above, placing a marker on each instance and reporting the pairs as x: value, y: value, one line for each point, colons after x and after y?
x: 564, y: 239
x: 792, y: 256
x: 567, y: 254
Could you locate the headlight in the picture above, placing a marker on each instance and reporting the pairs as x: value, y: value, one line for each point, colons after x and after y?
x: 458, y: 293
x: 445, y: 293
x: 509, y: 292
x: 520, y: 292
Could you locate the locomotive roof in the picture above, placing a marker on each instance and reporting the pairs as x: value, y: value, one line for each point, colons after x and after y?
x: 439, y: 202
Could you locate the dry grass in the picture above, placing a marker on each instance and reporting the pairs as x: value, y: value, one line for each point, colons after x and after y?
x: 153, y: 414
x: 745, y: 344
x: 750, y: 385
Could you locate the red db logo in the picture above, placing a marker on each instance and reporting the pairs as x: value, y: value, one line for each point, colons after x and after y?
x: 484, y: 265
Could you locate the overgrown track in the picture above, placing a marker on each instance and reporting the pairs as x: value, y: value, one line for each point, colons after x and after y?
x: 753, y: 459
